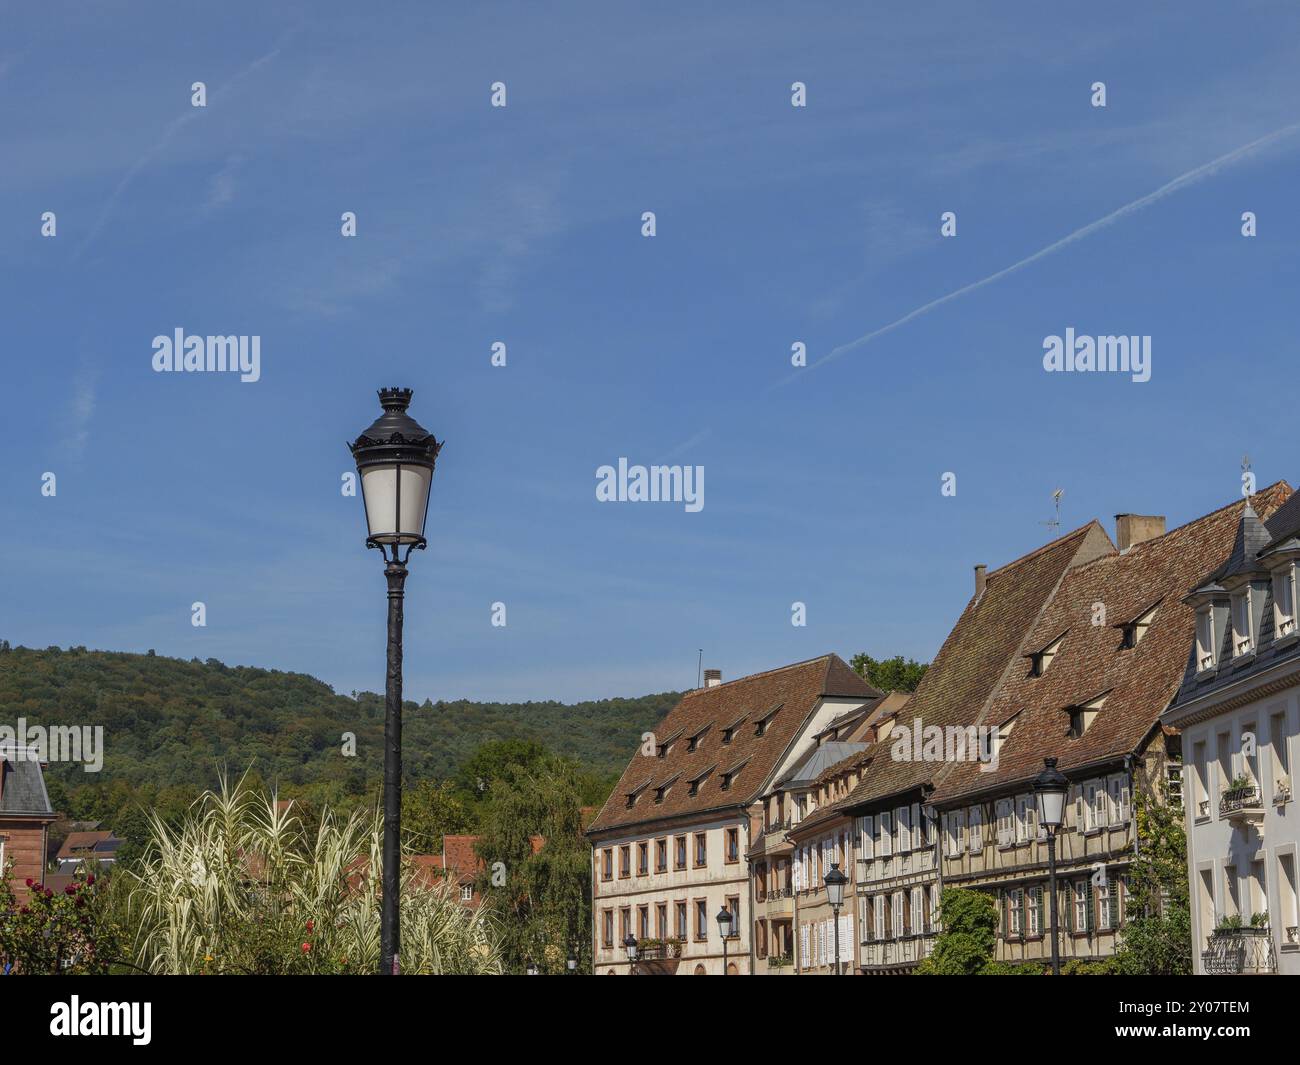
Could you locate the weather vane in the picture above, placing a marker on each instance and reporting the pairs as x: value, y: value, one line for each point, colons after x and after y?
x: 1055, y: 523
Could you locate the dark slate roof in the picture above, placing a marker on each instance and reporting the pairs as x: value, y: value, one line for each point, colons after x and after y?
x: 1138, y: 682
x: 23, y: 791
x: 1279, y: 527
x: 981, y: 647
x: 785, y: 697
x: 1250, y: 540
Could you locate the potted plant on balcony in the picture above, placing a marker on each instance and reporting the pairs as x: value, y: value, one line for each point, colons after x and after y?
x: 1259, y: 920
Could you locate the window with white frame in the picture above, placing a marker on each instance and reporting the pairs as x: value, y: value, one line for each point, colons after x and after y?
x: 903, y: 816
x: 1092, y: 799
x: 1033, y: 910
x: 1081, y: 923
x: 976, y: 820
x: 898, y: 915
x: 1015, y: 912
x: 1243, y: 641
x: 1106, y: 905
x: 866, y: 837
x: 1284, y: 602
x: 1006, y: 822
x: 1206, y: 647
x: 1277, y: 742
x: 467, y: 893
x: 918, y: 910
x: 880, y: 924
x: 1025, y: 829
x: 1117, y: 790
x: 886, y: 847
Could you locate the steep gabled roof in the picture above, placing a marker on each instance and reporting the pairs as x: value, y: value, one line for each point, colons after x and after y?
x: 22, y: 792
x: 981, y: 647
x: 797, y: 688
x: 1138, y: 682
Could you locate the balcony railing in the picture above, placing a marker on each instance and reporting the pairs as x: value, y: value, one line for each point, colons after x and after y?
x: 1242, y: 804
x: 1239, y: 951
x: 780, y: 961
x: 659, y: 949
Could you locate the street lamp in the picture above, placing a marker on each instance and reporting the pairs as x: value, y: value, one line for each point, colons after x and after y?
x: 530, y: 969
x: 629, y: 944
x: 726, y: 923
x: 835, y: 881
x: 572, y: 963
x: 1050, y: 788
x: 395, y: 459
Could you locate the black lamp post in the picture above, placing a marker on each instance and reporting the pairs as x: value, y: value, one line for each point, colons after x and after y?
x: 530, y: 968
x: 835, y: 881
x: 395, y: 459
x: 629, y: 944
x: 726, y: 923
x: 572, y: 963
x: 1050, y: 789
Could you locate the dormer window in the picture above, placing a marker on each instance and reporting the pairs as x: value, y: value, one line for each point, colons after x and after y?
x: 1206, y: 645
x: 1040, y: 660
x: 697, y: 781
x: 1137, y: 628
x: 1284, y: 602
x: 731, y: 774
x: 1243, y: 641
x: 662, y: 790
x: 694, y: 743
x: 730, y: 730
x: 1083, y: 715
x: 635, y: 794
x: 760, y: 726
x: 666, y: 744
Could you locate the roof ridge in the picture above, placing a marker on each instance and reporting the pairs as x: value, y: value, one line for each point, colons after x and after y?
x: 1048, y: 546
x: 765, y: 673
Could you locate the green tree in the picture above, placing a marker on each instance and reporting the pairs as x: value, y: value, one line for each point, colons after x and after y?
x: 542, y: 896
x: 430, y: 810
x: 1157, y: 938
x: 499, y: 760
x: 895, y: 674
x: 965, y: 945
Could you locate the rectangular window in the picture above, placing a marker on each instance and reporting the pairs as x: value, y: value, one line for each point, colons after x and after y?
x: 1106, y: 907
x: 679, y: 852
x: 607, y: 928
x: 1277, y: 742
x: 701, y: 920
x: 1242, y: 637
x: 1015, y: 912
x: 701, y: 850
x: 880, y: 920
x: 624, y: 861
x: 1200, y: 784
x: 903, y: 817
x: 624, y: 923
x: 1081, y: 922
x: 1206, y: 650
x: 867, y: 833
x: 642, y: 859
x: 1033, y: 908
x: 661, y: 855
x: 1006, y: 823
x: 1288, y: 899
x: 976, y: 819
x: 661, y: 920
x: 1284, y: 602
x: 643, y: 922
x: 733, y: 845
x: 607, y: 864
x: 681, y: 920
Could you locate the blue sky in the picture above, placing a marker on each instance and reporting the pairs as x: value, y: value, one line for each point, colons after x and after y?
x: 775, y: 224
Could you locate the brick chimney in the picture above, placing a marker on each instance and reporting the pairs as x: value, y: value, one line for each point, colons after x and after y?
x: 712, y: 678
x: 1132, y: 529
x: 981, y: 579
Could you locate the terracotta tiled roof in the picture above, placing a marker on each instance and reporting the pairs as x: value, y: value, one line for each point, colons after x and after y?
x: 980, y: 648
x: 1139, y: 682
x: 83, y: 844
x: 795, y: 689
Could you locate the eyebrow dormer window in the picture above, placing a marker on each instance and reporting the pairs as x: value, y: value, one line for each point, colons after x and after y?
x: 694, y: 742
x: 1040, y: 660
x: 1137, y: 628
x: 1083, y: 715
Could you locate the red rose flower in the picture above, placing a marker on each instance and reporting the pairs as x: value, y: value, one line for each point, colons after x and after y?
x: 306, y: 948
x: 90, y: 879
x: 30, y: 881
x: 310, y: 925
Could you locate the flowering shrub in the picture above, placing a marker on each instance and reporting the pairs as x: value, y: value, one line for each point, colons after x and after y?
x: 72, y: 931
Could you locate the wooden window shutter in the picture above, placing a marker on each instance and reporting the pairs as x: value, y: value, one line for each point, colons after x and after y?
x: 1089, y: 911
x: 886, y: 835
x: 918, y: 827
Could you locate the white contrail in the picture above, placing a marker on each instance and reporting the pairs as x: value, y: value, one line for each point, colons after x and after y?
x: 1192, y: 176
x: 168, y: 133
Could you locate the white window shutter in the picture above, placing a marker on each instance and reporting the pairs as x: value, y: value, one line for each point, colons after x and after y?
x: 881, y: 931
x: 1124, y: 800
x: 869, y: 837
x: 918, y: 827
x: 886, y: 835
x: 976, y: 829
x: 904, y: 830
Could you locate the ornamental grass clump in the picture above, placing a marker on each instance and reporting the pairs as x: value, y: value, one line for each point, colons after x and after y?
x: 243, y: 885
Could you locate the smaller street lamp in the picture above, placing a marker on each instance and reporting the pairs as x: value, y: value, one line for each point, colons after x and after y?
x: 726, y: 925
x: 1050, y: 789
x: 629, y: 944
x: 572, y: 963
x: 531, y: 968
x: 835, y: 881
